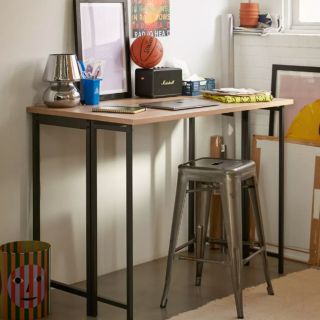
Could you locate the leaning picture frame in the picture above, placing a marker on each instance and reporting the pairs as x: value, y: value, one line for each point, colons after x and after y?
x: 102, y: 42
x: 302, y: 84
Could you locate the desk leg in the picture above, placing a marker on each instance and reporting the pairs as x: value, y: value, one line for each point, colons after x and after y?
x: 36, y: 176
x: 191, y: 184
x: 129, y: 224
x: 91, y: 217
x: 271, y: 122
x: 245, y: 155
x: 281, y: 191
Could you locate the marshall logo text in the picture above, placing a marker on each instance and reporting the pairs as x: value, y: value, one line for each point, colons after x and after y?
x: 167, y: 82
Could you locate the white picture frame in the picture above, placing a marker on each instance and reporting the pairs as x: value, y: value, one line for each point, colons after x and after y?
x: 103, y: 39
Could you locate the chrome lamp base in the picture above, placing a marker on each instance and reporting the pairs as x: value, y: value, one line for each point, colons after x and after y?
x: 61, y: 95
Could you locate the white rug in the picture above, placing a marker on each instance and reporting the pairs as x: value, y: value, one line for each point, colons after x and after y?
x: 297, y: 297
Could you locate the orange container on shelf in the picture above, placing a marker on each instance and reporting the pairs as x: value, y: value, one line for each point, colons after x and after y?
x: 249, y: 14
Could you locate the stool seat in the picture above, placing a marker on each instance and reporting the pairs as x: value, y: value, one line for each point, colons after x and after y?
x: 223, y: 165
x: 228, y: 176
x: 212, y: 169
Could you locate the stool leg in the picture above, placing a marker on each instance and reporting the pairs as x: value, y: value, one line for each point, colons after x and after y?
x: 202, y: 219
x: 254, y: 197
x: 231, y: 208
x: 176, y: 220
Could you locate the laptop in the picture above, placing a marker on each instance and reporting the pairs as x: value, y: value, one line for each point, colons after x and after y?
x: 180, y: 104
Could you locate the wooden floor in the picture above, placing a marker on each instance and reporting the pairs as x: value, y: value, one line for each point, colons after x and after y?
x: 148, y: 285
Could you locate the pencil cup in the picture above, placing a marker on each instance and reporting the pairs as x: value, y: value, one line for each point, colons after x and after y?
x: 91, y: 91
x: 24, y: 280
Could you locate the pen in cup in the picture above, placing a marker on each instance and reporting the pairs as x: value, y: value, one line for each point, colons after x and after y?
x: 97, y: 72
x: 82, y: 69
x: 89, y: 70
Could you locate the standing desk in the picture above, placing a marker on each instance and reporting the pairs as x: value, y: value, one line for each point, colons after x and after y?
x: 82, y: 118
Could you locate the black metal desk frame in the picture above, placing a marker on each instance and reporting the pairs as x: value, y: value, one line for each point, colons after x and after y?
x: 91, y: 127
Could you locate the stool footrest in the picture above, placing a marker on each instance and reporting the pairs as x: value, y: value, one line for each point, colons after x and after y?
x: 224, y: 242
x: 186, y: 244
x: 246, y: 260
x: 184, y: 257
x: 207, y: 188
x: 192, y: 258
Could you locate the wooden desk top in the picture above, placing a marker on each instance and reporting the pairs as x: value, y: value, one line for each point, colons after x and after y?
x: 152, y: 115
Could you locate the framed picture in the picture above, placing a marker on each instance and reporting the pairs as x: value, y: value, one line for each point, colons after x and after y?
x: 302, y: 120
x: 102, y: 43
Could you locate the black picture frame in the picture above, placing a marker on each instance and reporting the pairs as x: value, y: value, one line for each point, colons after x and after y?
x: 102, y: 35
x: 277, y: 71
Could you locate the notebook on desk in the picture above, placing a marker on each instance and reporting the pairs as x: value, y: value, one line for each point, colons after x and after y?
x: 180, y: 104
x: 119, y: 109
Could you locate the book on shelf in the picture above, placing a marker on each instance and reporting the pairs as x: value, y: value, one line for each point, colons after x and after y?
x: 256, y: 31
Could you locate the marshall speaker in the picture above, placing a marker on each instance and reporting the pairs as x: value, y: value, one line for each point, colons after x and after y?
x: 158, y: 82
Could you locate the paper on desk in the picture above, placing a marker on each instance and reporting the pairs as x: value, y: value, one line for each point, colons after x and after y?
x: 194, y: 77
x: 177, y: 63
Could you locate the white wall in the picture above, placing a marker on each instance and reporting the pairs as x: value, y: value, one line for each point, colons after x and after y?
x: 30, y: 31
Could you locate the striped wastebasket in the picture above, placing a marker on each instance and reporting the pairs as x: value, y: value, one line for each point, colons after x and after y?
x: 24, y: 280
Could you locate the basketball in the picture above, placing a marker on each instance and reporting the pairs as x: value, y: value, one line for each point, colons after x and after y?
x: 146, y: 51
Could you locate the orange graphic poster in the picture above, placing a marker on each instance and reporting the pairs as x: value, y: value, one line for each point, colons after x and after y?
x: 150, y: 17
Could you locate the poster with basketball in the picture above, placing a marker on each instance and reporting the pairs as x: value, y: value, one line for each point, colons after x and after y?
x: 150, y: 17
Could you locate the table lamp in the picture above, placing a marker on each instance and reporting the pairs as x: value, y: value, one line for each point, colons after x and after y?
x: 62, y: 71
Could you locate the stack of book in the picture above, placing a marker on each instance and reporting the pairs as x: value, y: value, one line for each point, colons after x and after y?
x: 256, y: 31
x: 233, y: 95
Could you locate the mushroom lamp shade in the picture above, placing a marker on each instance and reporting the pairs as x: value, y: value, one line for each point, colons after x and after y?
x: 62, y: 71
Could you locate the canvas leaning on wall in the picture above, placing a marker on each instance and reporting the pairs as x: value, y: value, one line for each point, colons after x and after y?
x: 302, y: 164
x: 302, y: 196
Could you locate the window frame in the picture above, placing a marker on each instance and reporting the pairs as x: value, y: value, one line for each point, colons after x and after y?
x: 293, y: 19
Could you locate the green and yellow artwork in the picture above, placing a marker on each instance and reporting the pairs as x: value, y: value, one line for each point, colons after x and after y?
x: 24, y: 280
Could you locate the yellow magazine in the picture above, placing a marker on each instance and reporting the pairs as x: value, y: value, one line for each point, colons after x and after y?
x: 239, y: 99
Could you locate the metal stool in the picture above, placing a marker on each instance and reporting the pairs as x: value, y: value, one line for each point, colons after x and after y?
x: 228, y: 177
